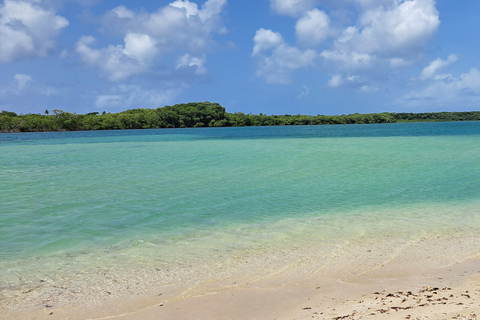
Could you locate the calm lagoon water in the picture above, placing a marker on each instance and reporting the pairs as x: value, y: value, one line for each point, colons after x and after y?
x: 174, y: 200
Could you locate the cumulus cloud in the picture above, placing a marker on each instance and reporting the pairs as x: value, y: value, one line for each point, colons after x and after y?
x: 123, y: 12
x: 392, y: 34
x: 335, y: 81
x: 444, y: 90
x: 291, y: 7
x: 276, y: 59
x: 352, y: 81
x: 191, y: 8
x: 188, y: 62
x: 377, y: 3
x: 140, y: 47
x: 27, y: 30
x: 348, y: 60
x: 130, y: 96
x: 265, y: 40
x: 387, y: 35
x: 382, y: 35
x: 121, y: 61
x: 463, y: 91
x: 88, y: 54
x: 181, y: 27
x: 312, y: 28
x: 399, y: 63
x: 431, y: 70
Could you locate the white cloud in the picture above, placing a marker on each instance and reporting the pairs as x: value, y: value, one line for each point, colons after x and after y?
x: 22, y: 80
x: 351, y: 81
x: 131, y: 96
x: 109, y: 101
x: 380, y: 36
x: 377, y: 3
x: 450, y: 91
x: 312, y: 28
x: 187, y: 61
x: 191, y: 8
x: 348, y: 60
x: 27, y: 30
x: 291, y: 7
x: 369, y: 88
x: 180, y: 27
x: 399, y: 63
x: 265, y: 40
x: 24, y: 85
x: 387, y: 35
x: 211, y: 11
x: 88, y: 55
x: 120, y: 62
x: 304, y: 93
x: 281, y: 60
x: 140, y: 47
x: 335, y: 81
x: 390, y: 34
x: 348, y: 34
x: 123, y: 12
x: 61, y: 3
x: 436, y: 65
x: 19, y: 84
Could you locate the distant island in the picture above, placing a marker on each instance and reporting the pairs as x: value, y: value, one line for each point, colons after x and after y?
x: 200, y: 114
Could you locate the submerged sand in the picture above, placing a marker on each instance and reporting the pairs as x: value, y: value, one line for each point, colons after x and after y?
x: 422, y: 278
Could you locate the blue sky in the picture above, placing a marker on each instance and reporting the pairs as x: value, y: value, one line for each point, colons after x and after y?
x: 252, y: 56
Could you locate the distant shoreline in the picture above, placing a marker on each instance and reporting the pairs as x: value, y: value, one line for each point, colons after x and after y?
x: 201, y: 114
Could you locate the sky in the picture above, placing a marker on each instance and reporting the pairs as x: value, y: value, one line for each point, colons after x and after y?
x: 309, y: 57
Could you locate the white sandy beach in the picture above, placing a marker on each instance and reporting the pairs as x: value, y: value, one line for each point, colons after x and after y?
x: 432, y: 278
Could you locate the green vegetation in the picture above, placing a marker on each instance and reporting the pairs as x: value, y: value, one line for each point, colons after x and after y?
x: 200, y: 114
x: 437, y: 116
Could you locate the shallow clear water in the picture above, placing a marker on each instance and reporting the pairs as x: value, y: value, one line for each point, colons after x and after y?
x: 139, y: 198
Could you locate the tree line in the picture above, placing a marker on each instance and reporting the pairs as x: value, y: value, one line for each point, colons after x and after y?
x: 200, y: 114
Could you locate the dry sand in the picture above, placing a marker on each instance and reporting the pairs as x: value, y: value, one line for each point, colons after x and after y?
x: 447, y: 293
x: 451, y: 292
x: 434, y: 278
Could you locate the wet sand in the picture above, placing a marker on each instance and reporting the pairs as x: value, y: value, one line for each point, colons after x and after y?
x: 447, y: 293
x: 433, y: 279
x: 451, y: 292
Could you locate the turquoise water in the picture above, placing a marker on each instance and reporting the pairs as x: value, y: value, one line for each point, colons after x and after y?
x: 70, y: 199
